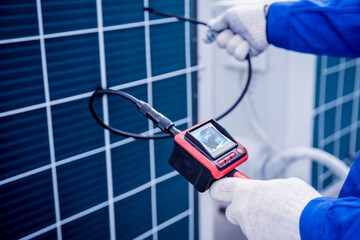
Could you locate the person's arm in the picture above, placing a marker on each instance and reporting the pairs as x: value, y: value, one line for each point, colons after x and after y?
x: 331, y: 218
x: 330, y: 27
x: 320, y: 27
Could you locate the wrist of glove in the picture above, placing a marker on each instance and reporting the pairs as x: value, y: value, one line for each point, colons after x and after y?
x: 265, y: 209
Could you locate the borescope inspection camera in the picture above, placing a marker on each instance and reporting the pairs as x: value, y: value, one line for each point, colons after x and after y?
x: 202, y: 153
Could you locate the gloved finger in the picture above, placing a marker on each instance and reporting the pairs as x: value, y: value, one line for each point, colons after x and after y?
x: 242, y: 51
x: 223, y: 189
x: 231, y: 213
x: 218, y: 24
x: 224, y: 37
x: 233, y: 43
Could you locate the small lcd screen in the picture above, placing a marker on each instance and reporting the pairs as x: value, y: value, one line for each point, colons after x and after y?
x: 215, y: 142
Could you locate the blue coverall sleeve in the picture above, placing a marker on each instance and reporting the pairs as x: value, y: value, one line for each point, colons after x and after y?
x: 335, y: 218
x: 329, y: 27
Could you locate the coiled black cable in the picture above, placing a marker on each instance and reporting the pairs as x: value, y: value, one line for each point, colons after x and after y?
x: 161, y: 121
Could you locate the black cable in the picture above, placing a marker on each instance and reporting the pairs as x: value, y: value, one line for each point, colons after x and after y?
x: 161, y: 121
x: 146, y: 109
x: 243, y: 92
x: 182, y: 18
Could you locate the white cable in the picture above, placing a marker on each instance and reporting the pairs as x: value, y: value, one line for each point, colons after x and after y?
x: 257, y: 127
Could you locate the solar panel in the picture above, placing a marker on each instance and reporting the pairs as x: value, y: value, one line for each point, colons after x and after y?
x: 336, y: 113
x: 62, y: 175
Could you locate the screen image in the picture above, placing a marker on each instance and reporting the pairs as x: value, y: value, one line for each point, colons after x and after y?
x: 211, y: 138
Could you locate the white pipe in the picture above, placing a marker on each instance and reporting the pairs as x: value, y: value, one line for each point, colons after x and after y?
x: 279, y: 162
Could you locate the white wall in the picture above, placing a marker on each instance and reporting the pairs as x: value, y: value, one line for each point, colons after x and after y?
x: 282, y: 92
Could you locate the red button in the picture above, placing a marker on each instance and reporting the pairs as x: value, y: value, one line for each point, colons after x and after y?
x: 227, y: 158
x: 239, y: 150
x: 221, y: 162
x: 232, y: 155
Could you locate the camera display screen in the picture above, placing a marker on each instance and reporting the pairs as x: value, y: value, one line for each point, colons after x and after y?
x: 215, y: 143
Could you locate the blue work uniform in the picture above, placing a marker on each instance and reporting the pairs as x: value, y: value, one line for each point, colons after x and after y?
x: 329, y: 27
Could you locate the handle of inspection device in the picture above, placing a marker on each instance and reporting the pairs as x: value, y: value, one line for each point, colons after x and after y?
x: 236, y: 174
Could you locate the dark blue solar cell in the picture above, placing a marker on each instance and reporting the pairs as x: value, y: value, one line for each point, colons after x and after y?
x: 61, y: 16
x: 26, y: 206
x: 122, y: 11
x: 329, y: 122
x: 172, y: 198
x: 24, y: 142
x: 176, y: 231
x: 130, y: 166
x: 332, y: 61
x: 163, y: 149
x: 317, y: 81
x: 75, y: 130
x: 173, y: 7
x: 329, y: 147
x: 125, y: 55
x: 21, y: 76
x: 92, y: 226
x: 331, y: 87
x: 18, y: 19
x: 82, y: 184
x: 169, y: 97
x: 316, y: 131
x: 48, y: 235
x: 349, y: 80
x: 133, y: 215
x: 344, y: 146
x: 124, y: 115
x: 346, y: 114
x: 358, y: 138
x: 73, y: 65
x: 167, y: 47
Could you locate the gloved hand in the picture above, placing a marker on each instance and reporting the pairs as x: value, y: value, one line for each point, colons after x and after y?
x: 242, y: 29
x: 265, y: 209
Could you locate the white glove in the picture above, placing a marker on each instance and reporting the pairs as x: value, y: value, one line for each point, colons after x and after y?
x: 242, y: 29
x: 265, y: 209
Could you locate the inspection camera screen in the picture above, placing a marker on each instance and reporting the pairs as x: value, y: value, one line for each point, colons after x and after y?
x: 212, y: 139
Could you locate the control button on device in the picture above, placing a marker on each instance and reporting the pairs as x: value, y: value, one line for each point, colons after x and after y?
x: 239, y: 150
x: 221, y: 162
x: 227, y: 158
x: 232, y: 155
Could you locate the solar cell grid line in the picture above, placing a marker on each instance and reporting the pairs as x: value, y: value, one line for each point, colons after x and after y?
x: 189, y: 110
x: 102, y: 205
x: 150, y: 124
x: 49, y: 120
x: 338, y: 111
x: 89, y: 30
x: 355, y: 108
x: 80, y: 156
x: 106, y: 120
x: 340, y: 133
x: 48, y: 104
x: 88, y: 94
x: 335, y: 68
x: 350, y: 96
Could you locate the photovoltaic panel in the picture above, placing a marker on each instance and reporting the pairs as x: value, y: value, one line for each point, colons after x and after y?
x: 62, y: 175
x: 336, y: 113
